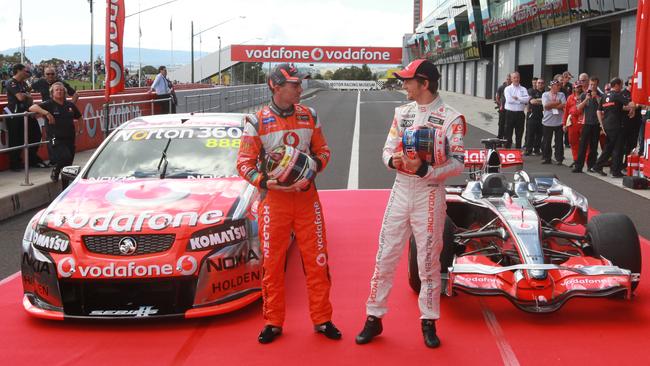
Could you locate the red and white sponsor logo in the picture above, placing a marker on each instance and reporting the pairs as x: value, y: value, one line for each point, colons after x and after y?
x: 590, y: 282
x: 508, y: 157
x: 359, y: 55
x: 291, y: 138
x: 459, y: 128
x: 457, y: 148
x: 186, y: 265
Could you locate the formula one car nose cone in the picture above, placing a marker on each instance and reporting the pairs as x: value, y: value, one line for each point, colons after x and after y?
x: 288, y: 165
x: 429, y: 144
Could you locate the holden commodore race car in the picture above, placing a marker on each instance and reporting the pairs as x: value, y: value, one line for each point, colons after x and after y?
x: 530, y: 239
x: 156, y: 224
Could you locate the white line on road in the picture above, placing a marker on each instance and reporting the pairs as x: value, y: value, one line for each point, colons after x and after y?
x: 507, y: 354
x: 9, y: 279
x: 353, y: 174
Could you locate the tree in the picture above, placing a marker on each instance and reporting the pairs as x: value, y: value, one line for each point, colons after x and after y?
x: 329, y: 75
x: 149, y: 70
x: 318, y: 76
x: 248, y: 73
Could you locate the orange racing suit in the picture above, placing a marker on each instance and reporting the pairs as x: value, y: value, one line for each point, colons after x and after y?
x: 281, y: 213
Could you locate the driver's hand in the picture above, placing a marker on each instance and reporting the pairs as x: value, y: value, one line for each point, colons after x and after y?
x: 411, y: 165
x: 275, y: 186
x: 397, y: 159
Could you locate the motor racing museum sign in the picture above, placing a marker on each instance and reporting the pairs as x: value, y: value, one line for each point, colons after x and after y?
x: 311, y: 54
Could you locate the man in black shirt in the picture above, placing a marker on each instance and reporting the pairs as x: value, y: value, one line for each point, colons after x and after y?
x: 631, y: 121
x: 589, y: 104
x: 19, y: 99
x: 534, y: 128
x: 43, y: 85
x: 500, y: 100
x: 610, y: 115
x: 60, y: 115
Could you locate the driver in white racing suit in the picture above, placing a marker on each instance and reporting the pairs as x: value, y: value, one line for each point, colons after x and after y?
x: 417, y: 201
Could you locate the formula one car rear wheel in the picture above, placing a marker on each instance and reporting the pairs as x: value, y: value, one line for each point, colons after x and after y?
x: 446, y: 255
x: 614, y: 237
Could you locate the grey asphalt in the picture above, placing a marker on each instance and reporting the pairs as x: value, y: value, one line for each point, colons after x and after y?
x: 336, y: 111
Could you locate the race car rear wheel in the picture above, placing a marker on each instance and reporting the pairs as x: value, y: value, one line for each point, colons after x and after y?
x: 446, y: 255
x: 614, y: 237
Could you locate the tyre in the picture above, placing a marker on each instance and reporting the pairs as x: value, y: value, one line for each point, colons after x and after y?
x: 446, y: 255
x: 614, y: 237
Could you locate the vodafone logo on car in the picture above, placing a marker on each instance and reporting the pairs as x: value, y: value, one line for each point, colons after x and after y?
x: 478, y: 156
x: 186, y: 265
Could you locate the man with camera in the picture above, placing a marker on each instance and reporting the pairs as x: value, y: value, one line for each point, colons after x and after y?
x: 588, y: 146
x: 286, y: 206
x: 417, y: 201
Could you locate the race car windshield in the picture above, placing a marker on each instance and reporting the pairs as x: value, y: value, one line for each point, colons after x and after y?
x: 192, y: 152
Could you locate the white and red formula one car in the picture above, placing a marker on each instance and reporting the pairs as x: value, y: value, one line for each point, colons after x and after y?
x: 529, y: 239
x: 157, y: 224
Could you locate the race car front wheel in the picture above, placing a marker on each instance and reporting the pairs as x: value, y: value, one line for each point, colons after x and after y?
x: 614, y: 237
x: 446, y: 255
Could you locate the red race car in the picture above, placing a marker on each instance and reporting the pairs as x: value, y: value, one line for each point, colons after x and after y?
x: 529, y: 239
x: 156, y: 224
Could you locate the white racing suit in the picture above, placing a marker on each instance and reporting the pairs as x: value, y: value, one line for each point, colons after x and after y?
x: 416, y: 205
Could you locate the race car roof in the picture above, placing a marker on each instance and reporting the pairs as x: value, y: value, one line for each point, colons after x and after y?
x: 186, y: 120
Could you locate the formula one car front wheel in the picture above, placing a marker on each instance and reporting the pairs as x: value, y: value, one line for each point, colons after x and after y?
x: 614, y: 237
x: 446, y: 255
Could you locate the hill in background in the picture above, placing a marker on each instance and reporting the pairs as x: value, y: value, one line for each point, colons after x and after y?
x: 82, y: 53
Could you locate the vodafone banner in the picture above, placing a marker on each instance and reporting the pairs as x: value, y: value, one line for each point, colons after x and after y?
x: 114, y: 43
x: 312, y: 54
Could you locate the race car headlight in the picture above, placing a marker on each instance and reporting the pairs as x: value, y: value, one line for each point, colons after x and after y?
x: 219, y: 236
x: 46, y: 239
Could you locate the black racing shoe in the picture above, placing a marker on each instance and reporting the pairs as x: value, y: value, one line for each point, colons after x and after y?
x: 329, y: 330
x: 546, y: 162
x: 600, y: 171
x: 431, y: 340
x: 54, y: 175
x: 269, y: 333
x: 370, y: 330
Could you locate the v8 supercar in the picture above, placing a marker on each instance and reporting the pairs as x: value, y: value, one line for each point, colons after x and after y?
x: 529, y: 240
x: 157, y: 224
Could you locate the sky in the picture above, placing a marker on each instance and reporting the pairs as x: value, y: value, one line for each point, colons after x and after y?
x: 282, y: 22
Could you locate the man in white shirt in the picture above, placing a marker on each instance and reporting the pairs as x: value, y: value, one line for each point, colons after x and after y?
x: 516, y: 99
x: 553, y: 102
x: 163, y: 89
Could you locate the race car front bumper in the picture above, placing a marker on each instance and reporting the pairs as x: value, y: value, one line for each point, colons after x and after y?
x: 562, y: 283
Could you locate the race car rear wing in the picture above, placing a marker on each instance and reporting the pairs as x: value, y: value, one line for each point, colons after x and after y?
x: 475, y: 158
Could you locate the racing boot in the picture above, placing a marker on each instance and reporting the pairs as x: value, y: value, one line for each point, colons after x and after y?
x: 371, y: 329
x: 429, y: 333
x: 329, y: 330
x: 269, y: 333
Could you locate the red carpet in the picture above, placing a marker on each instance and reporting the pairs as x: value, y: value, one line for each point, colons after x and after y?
x: 585, y: 331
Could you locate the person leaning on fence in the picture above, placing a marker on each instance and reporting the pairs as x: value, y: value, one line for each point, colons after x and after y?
x: 163, y: 89
x: 19, y: 99
x: 60, y: 115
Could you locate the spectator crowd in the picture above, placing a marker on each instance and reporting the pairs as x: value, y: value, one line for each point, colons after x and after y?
x: 560, y: 113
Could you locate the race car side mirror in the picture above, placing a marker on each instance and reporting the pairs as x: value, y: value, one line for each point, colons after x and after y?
x: 68, y: 174
x: 555, y: 190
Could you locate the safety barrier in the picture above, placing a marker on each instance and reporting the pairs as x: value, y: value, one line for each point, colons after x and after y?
x: 26, y: 145
x: 99, y: 117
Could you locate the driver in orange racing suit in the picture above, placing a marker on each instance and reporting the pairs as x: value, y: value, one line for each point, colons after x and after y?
x: 288, y: 208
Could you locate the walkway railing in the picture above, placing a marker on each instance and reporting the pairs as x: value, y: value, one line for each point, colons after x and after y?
x: 26, y: 145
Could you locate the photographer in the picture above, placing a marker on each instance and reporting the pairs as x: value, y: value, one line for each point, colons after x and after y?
x: 588, y: 145
x: 534, y: 128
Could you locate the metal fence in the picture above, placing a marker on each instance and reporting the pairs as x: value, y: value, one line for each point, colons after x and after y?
x: 242, y: 98
x: 26, y: 145
x: 222, y: 99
